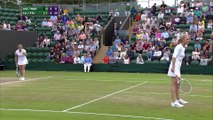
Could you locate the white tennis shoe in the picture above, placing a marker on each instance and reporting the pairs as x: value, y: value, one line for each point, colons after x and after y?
x: 176, y: 104
x: 22, y: 78
x: 181, y: 101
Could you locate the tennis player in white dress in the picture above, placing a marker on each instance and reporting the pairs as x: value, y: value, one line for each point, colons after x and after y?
x: 21, y: 60
x: 174, y: 71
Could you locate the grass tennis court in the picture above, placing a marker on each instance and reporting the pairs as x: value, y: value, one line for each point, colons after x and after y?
x: 100, y: 96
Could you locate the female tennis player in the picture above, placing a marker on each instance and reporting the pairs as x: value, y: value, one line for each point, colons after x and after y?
x: 174, y: 71
x: 21, y: 60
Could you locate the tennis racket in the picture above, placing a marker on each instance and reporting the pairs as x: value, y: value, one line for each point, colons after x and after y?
x: 185, y: 86
x: 17, y: 71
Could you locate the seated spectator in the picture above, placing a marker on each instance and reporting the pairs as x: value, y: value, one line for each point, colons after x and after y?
x: 189, y: 18
x: 54, y: 18
x: 92, y: 50
x: 81, y: 47
x: 205, y: 9
x: 197, y: 13
x: 106, y: 59
x: 77, y: 59
x: 119, y: 46
x: 146, y: 45
x: 135, y: 30
x: 130, y: 53
x: 64, y: 18
x: 82, y: 58
x: 207, y: 45
x: 108, y: 52
x: 204, y: 60
x: 190, y: 12
x: 124, y: 40
x: 183, y: 18
x: 157, y: 54
x: 117, y: 40
x: 87, y: 47
x: 57, y: 36
x: 70, y: 59
x: 112, y: 59
x: 49, y: 23
x: 165, y: 34
x: 63, y: 58
x: 167, y: 11
x: 138, y: 17
x: 204, y: 52
x: 139, y: 59
x: 199, y: 35
x: 96, y: 43
x: 4, y: 26
x: 87, y: 63
x: 157, y: 35
x: 160, y: 15
x: 139, y: 47
x: 69, y: 52
x: 126, y: 45
x: 180, y: 10
x: 44, y: 23
x: 143, y: 16
x: 46, y: 42
x: 51, y: 54
x: 97, y: 27
x: 177, y: 20
x: 210, y: 24
x: 82, y: 36
x: 150, y: 53
x: 28, y: 21
x: 166, y: 54
x: 195, y: 55
x: 197, y: 45
x: 122, y: 53
x: 193, y: 30
x: 133, y: 11
x: 126, y: 59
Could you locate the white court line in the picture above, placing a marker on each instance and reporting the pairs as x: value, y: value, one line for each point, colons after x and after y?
x: 89, y: 113
x: 97, y: 99
x: 26, y: 80
x: 181, y: 94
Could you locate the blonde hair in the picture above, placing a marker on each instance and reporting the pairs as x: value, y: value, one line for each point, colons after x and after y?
x: 19, y: 45
x: 183, y: 36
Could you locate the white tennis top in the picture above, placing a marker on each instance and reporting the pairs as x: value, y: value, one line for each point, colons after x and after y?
x: 22, y: 59
x: 179, y: 54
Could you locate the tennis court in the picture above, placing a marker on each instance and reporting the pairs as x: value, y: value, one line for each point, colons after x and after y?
x: 89, y: 96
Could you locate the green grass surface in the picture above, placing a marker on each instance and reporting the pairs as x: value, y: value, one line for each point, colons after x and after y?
x: 45, y: 99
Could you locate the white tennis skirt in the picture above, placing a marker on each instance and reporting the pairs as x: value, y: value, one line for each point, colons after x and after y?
x: 22, y: 62
x: 175, y: 73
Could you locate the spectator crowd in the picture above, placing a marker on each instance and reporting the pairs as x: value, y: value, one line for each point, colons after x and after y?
x: 155, y: 33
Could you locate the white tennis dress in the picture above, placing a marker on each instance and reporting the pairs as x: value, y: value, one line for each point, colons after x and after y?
x: 179, y: 53
x: 22, y: 59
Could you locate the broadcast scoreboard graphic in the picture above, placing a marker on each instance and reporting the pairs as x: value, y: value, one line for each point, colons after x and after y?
x: 40, y: 10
